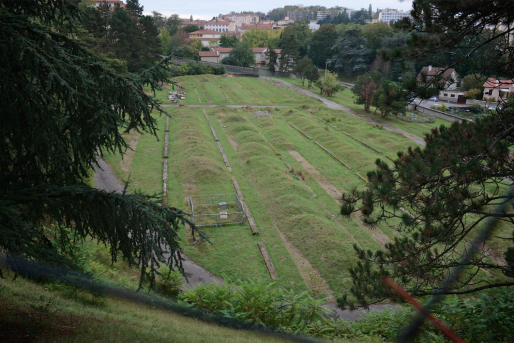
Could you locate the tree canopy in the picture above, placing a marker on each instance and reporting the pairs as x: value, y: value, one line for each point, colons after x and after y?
x: 438, y: 197
x: 352, y: 55
x: 322, y: 40
x: 61, y: 106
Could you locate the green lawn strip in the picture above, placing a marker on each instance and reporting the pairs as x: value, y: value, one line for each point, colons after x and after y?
x: 247, y: 251
x: 252, y: 85
x: 196, y: 160
x: 345, y: 98
x: 216, y: 95
x: 285, y: 138
x: 282, y: 95
x: 238, y: 96
x: 302, y: 220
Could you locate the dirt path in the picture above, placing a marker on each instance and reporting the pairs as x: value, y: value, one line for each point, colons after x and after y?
x: 335, y: 105
x: 377, y: 234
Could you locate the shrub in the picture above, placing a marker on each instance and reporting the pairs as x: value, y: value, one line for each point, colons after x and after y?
x: 170, y: 282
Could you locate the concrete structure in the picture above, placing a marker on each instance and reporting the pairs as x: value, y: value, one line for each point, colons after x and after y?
x: 205, y: 36
x: 313, y: 25
x: 198, y: 23
x: 322, y: 14
x: 240, y: 19
x: 210, y: 56
x: 110, y: 3
x: 452, y: 96
x: 500, y: 90
x: 285, y: 21
x: 220, y: 25
x: 449, y: 76
x: 392, y: 15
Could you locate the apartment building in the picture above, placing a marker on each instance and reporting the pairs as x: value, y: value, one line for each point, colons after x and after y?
x: 391, y: 15
x: 220, y: 25
x: 240, y: 19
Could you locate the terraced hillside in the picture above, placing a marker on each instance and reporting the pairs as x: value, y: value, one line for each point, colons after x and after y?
x: 292, y: 158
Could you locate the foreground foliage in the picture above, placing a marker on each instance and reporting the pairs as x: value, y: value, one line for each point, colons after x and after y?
x: 60, y: 106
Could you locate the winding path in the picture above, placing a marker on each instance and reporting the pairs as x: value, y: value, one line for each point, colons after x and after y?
x: 335, y: 105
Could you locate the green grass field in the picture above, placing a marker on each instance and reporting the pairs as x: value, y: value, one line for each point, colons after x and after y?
x: 295, y: 211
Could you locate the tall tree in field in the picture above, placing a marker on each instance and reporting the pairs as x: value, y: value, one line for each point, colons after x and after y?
x: 352, y: 55
x: 440, y: 197
x: 64, y: 107
x: 301, y: 68
x: 320, y: 50
x: 365, y: 87
x: 328, y: 84
x: 389, y: 99
x: 312, y: 75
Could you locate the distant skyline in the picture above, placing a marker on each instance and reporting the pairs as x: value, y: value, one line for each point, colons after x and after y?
x: 202, y: 9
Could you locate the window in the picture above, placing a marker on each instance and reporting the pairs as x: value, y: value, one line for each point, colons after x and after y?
x: 490, y: 92
x: 453, y: 95
x: 445, y: 94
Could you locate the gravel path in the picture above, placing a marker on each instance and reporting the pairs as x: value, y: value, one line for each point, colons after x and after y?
x: 335, y: 105
x: 105, y: 179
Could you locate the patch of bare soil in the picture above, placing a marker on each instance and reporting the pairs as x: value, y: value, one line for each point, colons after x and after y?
x: 322, y: 181
x: 232, y: 142
x: 128, y: 156
x: 380, y: 237
x: 311, y: 277
x: 189, y: 189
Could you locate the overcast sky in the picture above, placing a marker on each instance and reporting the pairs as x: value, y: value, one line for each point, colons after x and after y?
x: 206, y: 9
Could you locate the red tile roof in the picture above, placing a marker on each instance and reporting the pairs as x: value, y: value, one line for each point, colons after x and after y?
x: 203, y: 31
x: 495, y: 83
x: 209, y: 53
x: 259, y: 50
x: 222, y: 49
x: 219, y: 22
x: 436, y: 70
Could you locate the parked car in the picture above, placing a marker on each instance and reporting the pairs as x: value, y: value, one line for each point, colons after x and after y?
x: 433, y: 99
x: 411, y: 99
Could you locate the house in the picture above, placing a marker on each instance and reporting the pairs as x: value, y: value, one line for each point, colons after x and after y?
x: 313, y: 25
x: 210, y: 56
x: 239, y: 18
x: 391, y: 15
x: 220, y: 25
x: 500, y: 90
x: 205, y: 36
x: 110, y: 3
x: 198, y: 23
x: 285, y: 21
x: 449, y: 77
x: 223, y: 52
x: 455, y: 96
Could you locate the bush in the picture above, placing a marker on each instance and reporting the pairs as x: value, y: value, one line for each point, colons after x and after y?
x: 170, y: 282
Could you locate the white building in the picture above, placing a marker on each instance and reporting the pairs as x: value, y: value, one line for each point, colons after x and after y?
x: 313, y: 25
x: 220, y: 25
x: 390, y: 15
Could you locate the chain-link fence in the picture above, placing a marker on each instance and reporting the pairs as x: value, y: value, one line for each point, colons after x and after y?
x: 216, y: 209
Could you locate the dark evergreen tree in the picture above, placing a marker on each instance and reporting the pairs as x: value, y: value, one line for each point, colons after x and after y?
x: 320, y: 50
x: 294, y: 41
x: 134, y: 8
x: 272, y: 60
x: 243, y: 54
x: 61, y: 106
x: 440, y: 197
x: 352, y: 55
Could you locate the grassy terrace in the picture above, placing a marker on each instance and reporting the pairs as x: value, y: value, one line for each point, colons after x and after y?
x: 296, y: 212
